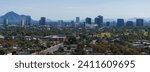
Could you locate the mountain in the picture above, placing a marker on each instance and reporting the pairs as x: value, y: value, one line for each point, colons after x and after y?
x: 14, y: 18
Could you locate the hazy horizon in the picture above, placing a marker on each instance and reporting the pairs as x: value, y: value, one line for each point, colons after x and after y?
x: 69, y: 9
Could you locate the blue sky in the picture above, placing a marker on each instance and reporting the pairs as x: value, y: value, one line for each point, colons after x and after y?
x: 69, y: 9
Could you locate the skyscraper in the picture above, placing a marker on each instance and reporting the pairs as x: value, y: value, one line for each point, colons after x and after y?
x: 120, y: 22
x: 139, y: 22
x: 129, y: 24
x: 61, y: 23
x: 5, y: 22
x: 99, y: 21
x: 88, y: 20
x: 22, y: 23
x: 77, y: 20
x: 107, y: 23
x: 28, y: 20
x: 42, y: 21
x: 72, y: 23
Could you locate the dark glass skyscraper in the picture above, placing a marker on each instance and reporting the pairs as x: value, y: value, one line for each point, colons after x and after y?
x: 77, y: 20
x: 107, y: 23
x: 28, y: 20
x: 120, y: 22
x: 42, y: 21
x: 139, y: 22
x: 99, y: 21
x: 129, y: 24
x: 88, y: 20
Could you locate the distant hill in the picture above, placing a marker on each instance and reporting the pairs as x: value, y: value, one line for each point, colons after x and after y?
x: 13, y: 17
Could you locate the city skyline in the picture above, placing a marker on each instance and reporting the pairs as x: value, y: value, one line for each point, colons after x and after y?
x: 66, y: 9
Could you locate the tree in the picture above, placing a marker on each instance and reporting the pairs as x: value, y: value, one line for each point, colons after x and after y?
x: 80, y: 49
x: 72, y: 40
x: 2, y: 52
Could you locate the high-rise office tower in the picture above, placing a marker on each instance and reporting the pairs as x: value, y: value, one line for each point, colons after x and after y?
x: 42, y: 21
x: 22, y: 23
x: 88, y: 20
x: 72, y: 23
x: 129, y: 24
x: 77, y: 20
x: 28, y: 20
x: 107, y: 24
x: 61, y: 23
x: 139, y: 22
x: 120, y: 22
x: 5, y: 22
x: 99, y: 21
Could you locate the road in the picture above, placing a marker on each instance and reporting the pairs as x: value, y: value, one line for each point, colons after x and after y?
x: 51, y: 49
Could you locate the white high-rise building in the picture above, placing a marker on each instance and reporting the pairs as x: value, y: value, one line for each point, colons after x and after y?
x: 22, y: 23
x: 5, y: 21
